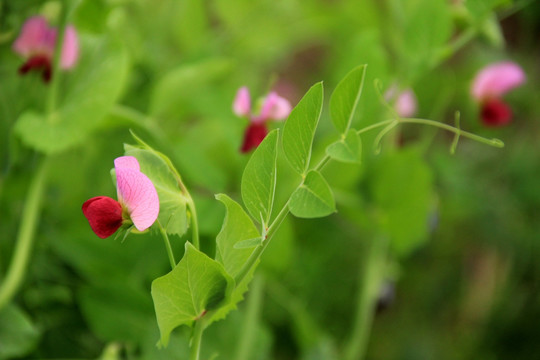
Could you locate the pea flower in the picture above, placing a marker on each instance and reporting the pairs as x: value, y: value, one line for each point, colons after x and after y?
x: 36, y: 44
x: 488, y: 88
x: 137, y: 204
x: 404, y: 101
x: 274, y: 107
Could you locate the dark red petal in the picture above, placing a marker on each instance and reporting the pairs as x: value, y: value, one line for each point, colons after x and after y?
x: 104, y: 215
x: 495, y: 113
x: 255, y: 134
x: 38, y: 63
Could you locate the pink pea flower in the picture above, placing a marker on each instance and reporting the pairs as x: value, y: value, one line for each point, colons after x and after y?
x: 36, y: 44
x: 404, y: 101
x: 273, y: 108
x: 488, y: 88
x: 138, y: 201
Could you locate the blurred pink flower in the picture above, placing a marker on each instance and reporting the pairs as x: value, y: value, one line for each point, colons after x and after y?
x: 404, y: 101
x: 273, y: 108
x: 36, y: 44
x: 488, y: 87
x: 138, y: 201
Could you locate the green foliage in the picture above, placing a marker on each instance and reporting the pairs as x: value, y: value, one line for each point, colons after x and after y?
x: 173, y: 214
x: 402, y: 186
x: 259, y: 179
x: 87, y: 102
x: 300, y: 127
x: 345, y: 98
x: 237, y: 227
x: 17, y: 333
x: 347, y: 149
x: 313, y: 198
x: 196, y: 285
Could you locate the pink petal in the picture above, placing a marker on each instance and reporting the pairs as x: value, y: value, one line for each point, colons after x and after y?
x: 127, y: 162
x: 496, y: 79
x: 35, y: 37
x: 242, y: 102
x: 404, y: 101
x: 136, y: 192
x: 406, y: 104
x: 274, y: 108
x: 70, y: 48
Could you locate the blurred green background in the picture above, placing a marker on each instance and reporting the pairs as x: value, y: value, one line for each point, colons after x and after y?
x: 464, y: 228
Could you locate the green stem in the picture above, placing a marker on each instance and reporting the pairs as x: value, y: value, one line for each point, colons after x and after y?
x: 194, y: 222
x: 52, y: 99
x: 196, y: 339
x: 27, y: 229
x: 254, y: 305
x: 256, y: 254
x: 167, y: 245
x: 370, y: 278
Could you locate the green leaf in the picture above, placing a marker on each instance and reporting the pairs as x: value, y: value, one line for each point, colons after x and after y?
x: 345, y: 98
x: 237, y: 228
x: 249, y: 243
x: 259, y: 179
x: 173, y: 214
x: 347, y: 149
x: 85, y: 105
x: 313, y: 198
x: 18, y: 336
x: 402, y: 188
x: 196, y: 285
x: 300, y: 127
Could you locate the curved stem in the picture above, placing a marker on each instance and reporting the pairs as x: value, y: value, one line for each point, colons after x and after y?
x: 194, y: 222
x: 389, y: 124
x: 56, y: 73
x: 27, y: 229
x: 167, y: 245
x: 254, y: 304
x: 369, y: 281
x: 196, y: 339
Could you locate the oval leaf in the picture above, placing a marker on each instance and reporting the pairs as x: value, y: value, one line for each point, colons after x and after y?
x: 347, y: 149
x: 345, y: 98
x: 300, y: 127
x: 197, y: 284
x: 259, y: 179
x: 313, y: 198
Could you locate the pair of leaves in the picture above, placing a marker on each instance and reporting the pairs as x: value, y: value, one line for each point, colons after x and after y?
x: 173, y: 214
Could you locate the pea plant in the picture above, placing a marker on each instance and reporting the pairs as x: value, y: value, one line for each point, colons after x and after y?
x: 199, y: 289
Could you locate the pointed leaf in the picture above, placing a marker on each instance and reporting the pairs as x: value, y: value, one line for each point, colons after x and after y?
x: 237, y: 227
x: 345, y: 98
x: 347, y: 149
x: 259, y: 179
x: 196, y: 285
x: 172, y: 201
x: 313, y: 198
x: 300, y: 127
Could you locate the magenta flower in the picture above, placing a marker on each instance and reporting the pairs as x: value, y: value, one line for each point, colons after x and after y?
x: 137, y: 204
x: 404, y: 101
x: 488, y: 88
x: 273, y: 108
x: 36, y: 44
